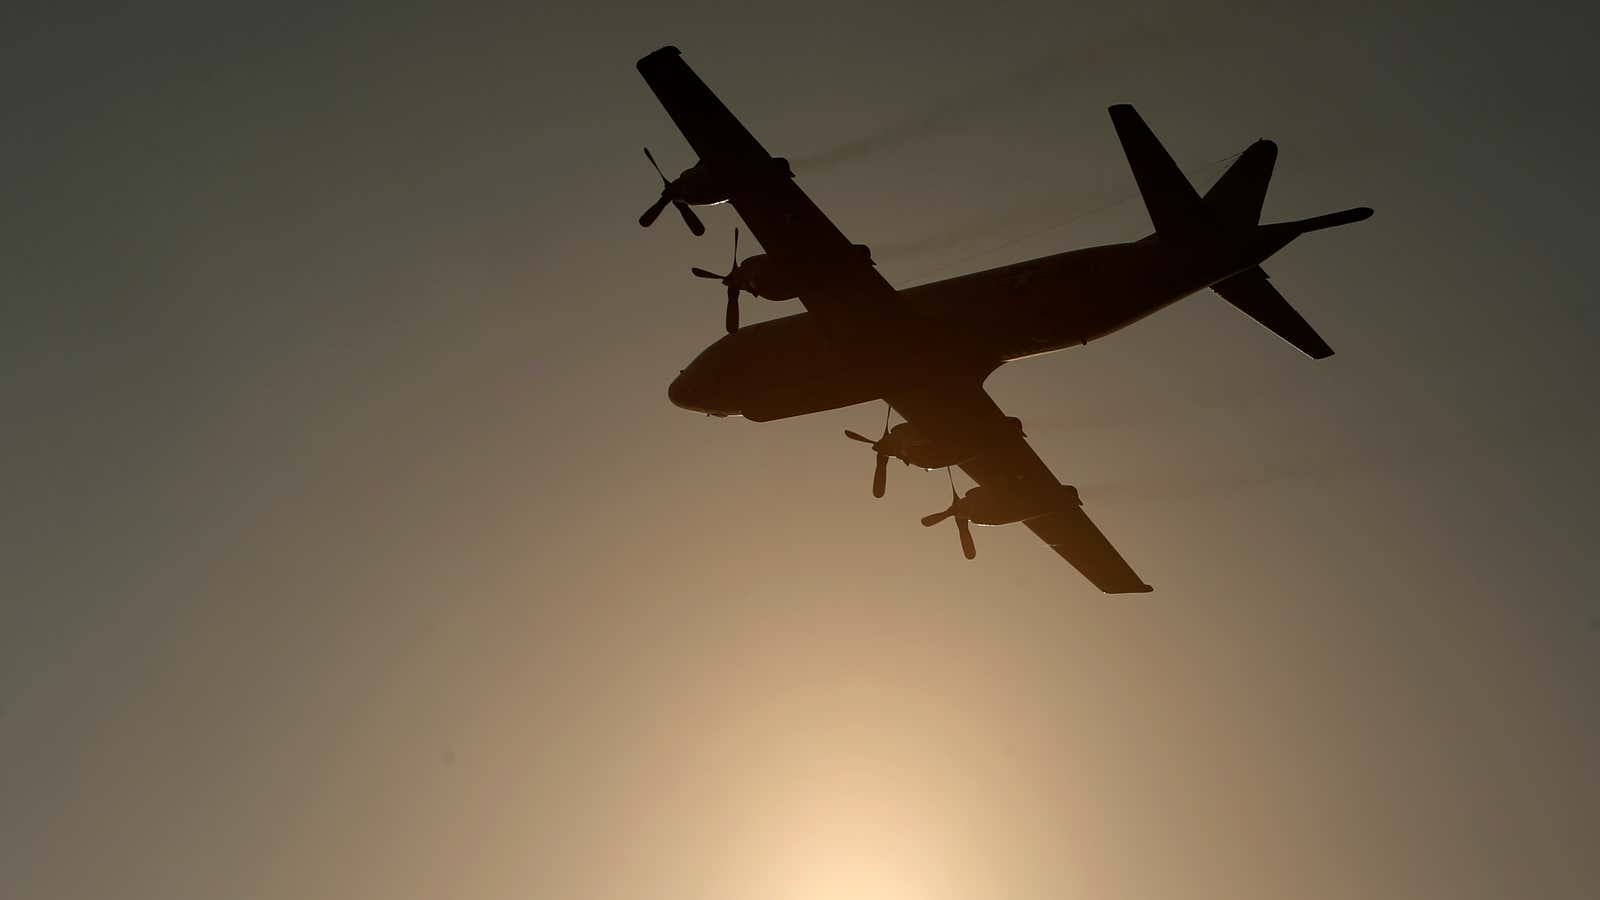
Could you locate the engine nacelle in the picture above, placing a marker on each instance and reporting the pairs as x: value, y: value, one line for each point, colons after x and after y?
x: 698, y: 187
x: 762, y: 276
x: 983, y: 506
x: 911, y: 447
x: 908, y: 445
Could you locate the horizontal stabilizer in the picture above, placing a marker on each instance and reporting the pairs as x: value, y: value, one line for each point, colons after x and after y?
x: 1175, y: 208
x: 1333, y: 220
x: 1252, y: 294
x: 1288, y: 231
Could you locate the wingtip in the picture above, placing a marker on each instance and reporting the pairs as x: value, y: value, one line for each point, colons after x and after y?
x: 1137, y: 589
x: 668, y: 50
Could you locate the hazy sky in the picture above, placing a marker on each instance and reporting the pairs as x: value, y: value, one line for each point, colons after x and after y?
x: 352, y: 548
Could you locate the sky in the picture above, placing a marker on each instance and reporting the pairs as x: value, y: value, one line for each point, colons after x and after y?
x: 352, y: 548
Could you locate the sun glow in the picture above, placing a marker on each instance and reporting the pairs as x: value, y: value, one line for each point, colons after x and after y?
x: 832, y: 760
x: 827, y: 860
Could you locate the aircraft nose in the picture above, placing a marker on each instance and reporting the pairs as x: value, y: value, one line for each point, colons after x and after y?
x: 695, y: 389
x: 680, y: 391
x: 702, y: 387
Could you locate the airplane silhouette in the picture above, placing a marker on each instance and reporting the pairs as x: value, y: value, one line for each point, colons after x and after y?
x: 927, y: 350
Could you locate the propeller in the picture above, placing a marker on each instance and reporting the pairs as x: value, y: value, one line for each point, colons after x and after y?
x: 968, y: 548
x: 880, y: 474
x: 668, y: 189
x: 731, y: 317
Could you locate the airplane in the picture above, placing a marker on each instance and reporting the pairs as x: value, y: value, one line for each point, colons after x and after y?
x: 927, y: 350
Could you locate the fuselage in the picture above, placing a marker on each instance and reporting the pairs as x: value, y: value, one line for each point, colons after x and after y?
x: 787, y: 367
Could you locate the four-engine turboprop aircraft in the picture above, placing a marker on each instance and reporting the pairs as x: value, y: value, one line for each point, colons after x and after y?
x: 927, y: 350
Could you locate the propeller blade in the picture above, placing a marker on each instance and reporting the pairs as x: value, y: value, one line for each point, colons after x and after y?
x: 704, y: 274
x: 655, y: 209
x: 880, y: 476
x: 656, y: 167
x: 689, y: 218
x: 968, y: 548
x: 731, y: 318
x: 858, y: 437
x: 936, y: 518
x: 735, y: 265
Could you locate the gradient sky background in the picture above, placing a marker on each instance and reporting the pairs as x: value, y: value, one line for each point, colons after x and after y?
x: 352, y: 548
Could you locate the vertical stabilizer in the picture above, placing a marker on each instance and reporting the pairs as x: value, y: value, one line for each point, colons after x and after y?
x: 1235, y: 200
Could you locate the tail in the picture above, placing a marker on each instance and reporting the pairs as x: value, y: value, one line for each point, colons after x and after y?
x: 1231, y: 210
x: 1235, y: 200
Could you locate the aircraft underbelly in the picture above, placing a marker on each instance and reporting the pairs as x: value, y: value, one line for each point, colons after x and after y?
x: 1059, y: 301
x: 786, y: 367
x: 794, y: 391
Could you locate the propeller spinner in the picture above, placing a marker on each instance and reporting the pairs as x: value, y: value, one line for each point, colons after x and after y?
x: 884, y: 449
x: 671, y: 192
x: 731, y: 280
x: 963, y: 526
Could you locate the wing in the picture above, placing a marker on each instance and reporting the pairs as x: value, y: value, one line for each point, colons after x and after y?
x: 965, y: 415
x: 842, y: 287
